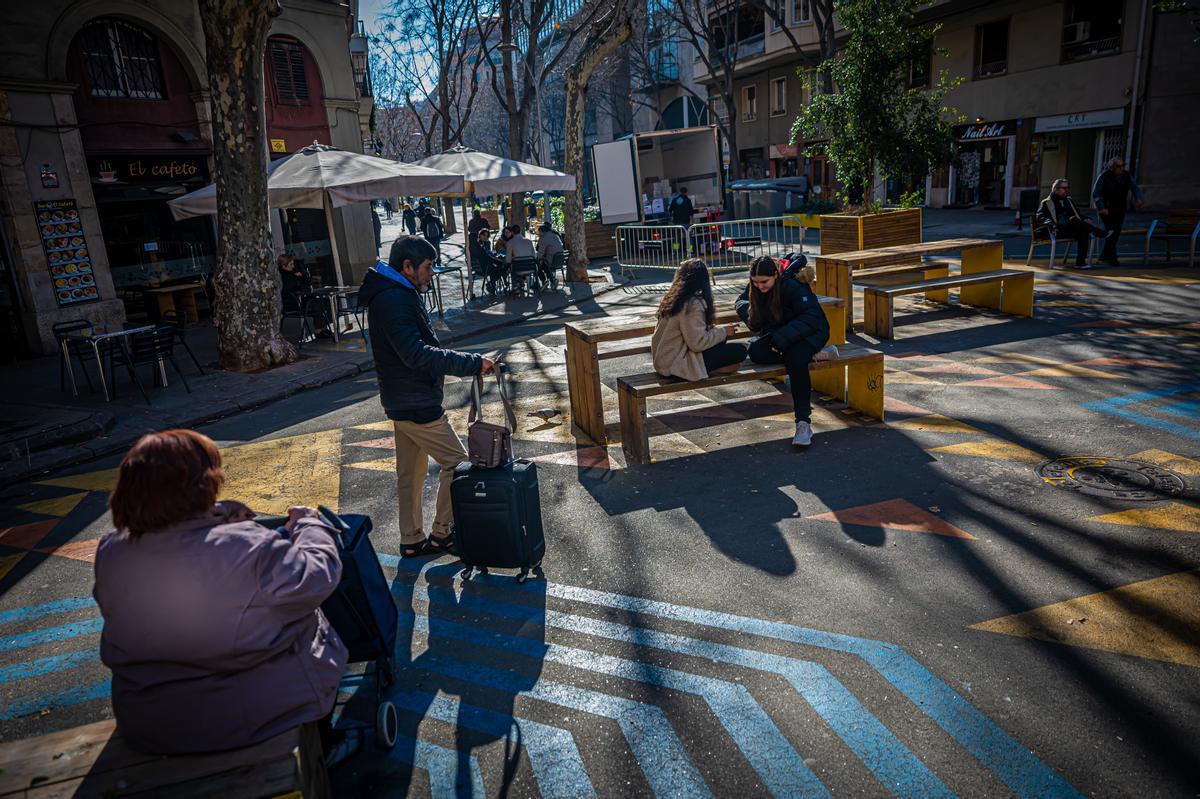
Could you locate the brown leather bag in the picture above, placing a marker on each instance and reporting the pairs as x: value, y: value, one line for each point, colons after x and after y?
x: 489, y: 445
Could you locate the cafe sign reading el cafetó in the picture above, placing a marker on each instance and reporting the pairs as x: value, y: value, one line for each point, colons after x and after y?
x: 148, y: 169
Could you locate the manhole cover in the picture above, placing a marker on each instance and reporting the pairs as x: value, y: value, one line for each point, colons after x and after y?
x: 1109, y: 477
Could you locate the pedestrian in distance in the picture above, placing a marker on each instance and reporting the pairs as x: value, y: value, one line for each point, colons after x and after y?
x: 1058, y: 212
x: 387, y: 208
x: 791, y: 329
x: 1110, y: 195
x: 687, y: 343
x: 412, y: 366
x: 476, y: 224
x: 377, y: 227
x: 410, y: 219
x: 681, y: 208
x: 432, y: 230
x: 212, y: 622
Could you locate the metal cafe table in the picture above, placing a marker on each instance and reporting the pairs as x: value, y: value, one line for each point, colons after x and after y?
x: 333, y: 294
x: 95, y: 340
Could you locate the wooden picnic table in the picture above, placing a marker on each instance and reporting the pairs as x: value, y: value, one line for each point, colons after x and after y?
x: 835, y: 271
x: 584, y: 355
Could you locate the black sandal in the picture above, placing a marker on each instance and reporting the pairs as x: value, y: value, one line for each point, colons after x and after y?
x: 442, y: 543
x: 422, y: 547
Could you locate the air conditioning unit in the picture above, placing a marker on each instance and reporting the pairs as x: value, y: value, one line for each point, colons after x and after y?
x: 1077, y: 32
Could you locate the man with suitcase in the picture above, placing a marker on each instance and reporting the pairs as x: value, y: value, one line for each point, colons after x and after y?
x: 412, y: 365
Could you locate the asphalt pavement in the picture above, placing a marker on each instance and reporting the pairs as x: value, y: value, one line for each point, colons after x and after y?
x: 994, y: 592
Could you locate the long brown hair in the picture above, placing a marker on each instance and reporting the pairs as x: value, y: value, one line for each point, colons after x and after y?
x: 766, y: 308
x: 691, y: 280
x: 165, y: 478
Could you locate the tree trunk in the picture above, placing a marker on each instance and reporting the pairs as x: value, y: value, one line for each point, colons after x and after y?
x: 577, y: 78
x: 247, y: 311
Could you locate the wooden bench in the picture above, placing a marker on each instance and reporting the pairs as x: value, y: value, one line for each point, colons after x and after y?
x: 1013, y: 293
x: 859, y: 371
x: 584, y: 355
x: 889, y: 275
x: 92, y: 762
x: 1184, y: 224
x: 835, y: 273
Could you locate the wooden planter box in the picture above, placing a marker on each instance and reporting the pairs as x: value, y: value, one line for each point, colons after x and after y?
x: 492, y: 216
x: 845, y: 233
x: 600, y: 241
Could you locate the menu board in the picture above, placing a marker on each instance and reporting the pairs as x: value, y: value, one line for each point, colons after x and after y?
x: 66, y: 251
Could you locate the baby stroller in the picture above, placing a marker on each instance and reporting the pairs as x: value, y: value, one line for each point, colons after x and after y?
x: 364, y: 616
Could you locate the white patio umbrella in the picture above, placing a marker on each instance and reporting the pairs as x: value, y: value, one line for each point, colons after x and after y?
x: 320, y: 176
x: 486, y: 174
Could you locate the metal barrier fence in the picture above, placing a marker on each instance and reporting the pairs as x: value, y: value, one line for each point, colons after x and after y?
x: 724, y: 246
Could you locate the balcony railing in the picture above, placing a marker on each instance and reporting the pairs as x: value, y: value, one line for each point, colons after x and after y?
x: 752, y: 46
x: 1096, y: 47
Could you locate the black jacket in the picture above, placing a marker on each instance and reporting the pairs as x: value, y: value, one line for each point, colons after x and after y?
x: 681, y: 210
x: 803, y: 319
x: 431, y: 228
x: 409, y: 359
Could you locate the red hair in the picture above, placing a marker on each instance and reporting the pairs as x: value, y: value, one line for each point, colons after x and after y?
x: 165, y: 478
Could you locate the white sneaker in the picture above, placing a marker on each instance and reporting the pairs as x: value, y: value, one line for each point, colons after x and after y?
x: 803, y: 435
x: 828, y: 353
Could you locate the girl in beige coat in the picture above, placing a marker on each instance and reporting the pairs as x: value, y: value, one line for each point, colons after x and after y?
x: 686, y: 343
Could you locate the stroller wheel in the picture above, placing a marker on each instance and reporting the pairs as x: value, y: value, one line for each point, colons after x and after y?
x: 387, y: 725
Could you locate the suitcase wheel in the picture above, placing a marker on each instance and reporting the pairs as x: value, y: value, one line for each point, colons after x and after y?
x: 523, y: 576
x: 465, y: 574
x: 387, y: 725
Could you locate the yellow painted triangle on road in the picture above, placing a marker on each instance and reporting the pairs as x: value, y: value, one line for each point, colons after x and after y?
x: 103, y: 480
x: 271, y: 476
x: 1172, y: 516
x: 1155, y: 619
x: 1068, y: 370
x: 59, y: 506
x: 7, y: 562
x: 992, y: 448
x: 1017, y: 357
x: 384, y: 425
x: 898, y: 376
x: 380, y: 465
x: 1169, y: 460
x: 936, y: 423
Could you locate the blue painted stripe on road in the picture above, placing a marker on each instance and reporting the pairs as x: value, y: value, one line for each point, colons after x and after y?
x: 35, y: 703
x: 442, y: 765
x: 46, y: 609
x: 892, y: 763
x: 658, y: 750
x: 1015, y: 765
x: 1117, y: 406
x: 47, y: 665
x: 50, y: 635
x: 1188, y: 409
x: 557, y: 764
x: 764, y: 746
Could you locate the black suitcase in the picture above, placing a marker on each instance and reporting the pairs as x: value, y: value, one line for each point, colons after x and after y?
x: 498, y: 518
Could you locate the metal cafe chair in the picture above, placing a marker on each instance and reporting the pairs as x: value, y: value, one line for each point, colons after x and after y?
x: 295, y: 306
x: 522, y: 270
x: 178, y: 323
x: 80, y: 351
x: 155, y: 347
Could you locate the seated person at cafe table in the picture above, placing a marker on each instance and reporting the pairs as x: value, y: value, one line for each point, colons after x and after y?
x: 549, y: 245
x: 484, y: 262
x: 518, y: 247
x: 297, y: 289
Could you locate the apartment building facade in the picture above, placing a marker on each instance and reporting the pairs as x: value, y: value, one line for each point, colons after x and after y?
x: 1049, y: 90
x: 105, y: 115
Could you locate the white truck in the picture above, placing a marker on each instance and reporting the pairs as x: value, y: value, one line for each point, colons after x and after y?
x: 637, y: 175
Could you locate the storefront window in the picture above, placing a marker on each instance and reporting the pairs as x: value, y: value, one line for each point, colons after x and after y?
x: 120, y: 61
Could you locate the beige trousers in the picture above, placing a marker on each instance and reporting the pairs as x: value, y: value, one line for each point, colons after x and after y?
x: 415, y: 445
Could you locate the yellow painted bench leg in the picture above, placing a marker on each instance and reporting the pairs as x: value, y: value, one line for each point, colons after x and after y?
x: 865, y: 387
x: 830, y: 381
x: 937, y: 295
x: 634, y: 440
x: 836, y: 316
x: 982, y: 259
x: 1017, y: 297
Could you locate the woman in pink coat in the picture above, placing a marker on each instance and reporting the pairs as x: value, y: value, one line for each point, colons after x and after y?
x: 212, y: 625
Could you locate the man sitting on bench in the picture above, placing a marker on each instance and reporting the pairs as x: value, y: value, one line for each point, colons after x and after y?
x: 791, y: 327
x: 1058, y: 211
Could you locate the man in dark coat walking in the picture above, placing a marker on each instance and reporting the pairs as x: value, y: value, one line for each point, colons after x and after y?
x: 412, y: 365
x: 1110, y: 195
x: 681, y: 208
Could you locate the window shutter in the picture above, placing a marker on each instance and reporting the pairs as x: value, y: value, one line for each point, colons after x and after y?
x: 287, y: 64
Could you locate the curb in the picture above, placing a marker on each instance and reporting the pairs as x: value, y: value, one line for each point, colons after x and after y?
x: 56, y: 458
